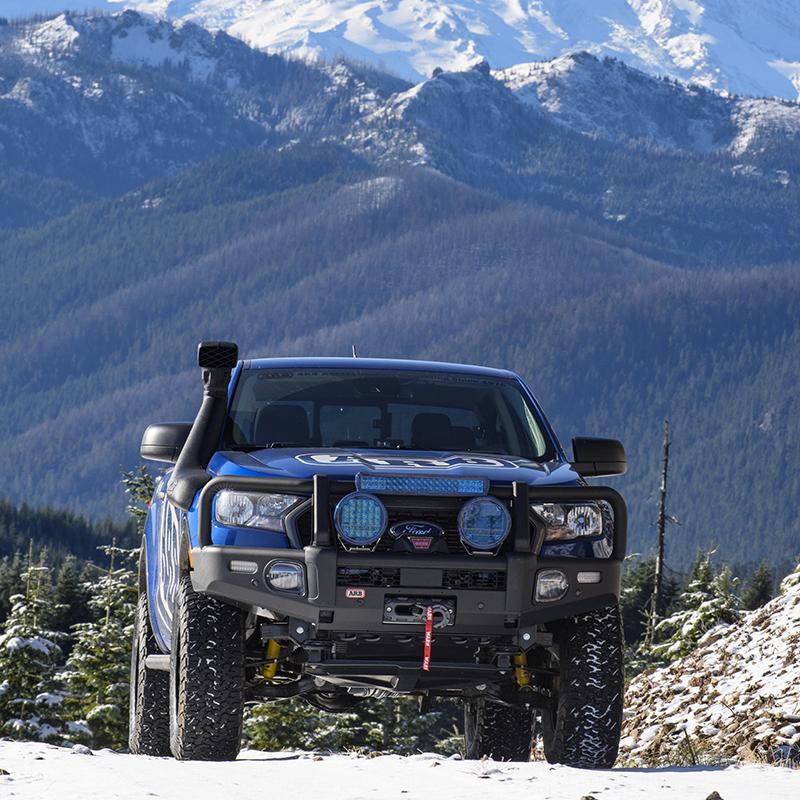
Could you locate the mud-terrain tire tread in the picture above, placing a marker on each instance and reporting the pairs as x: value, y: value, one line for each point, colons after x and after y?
x: 207, y: 677
x: 584, y: 728
x: 492, y: 730
x: 148, y: 732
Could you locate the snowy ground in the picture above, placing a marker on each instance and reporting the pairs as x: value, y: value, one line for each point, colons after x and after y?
x: 37, y: 771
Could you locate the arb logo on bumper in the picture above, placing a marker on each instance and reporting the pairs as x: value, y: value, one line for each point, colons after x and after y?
x: 355, y: 594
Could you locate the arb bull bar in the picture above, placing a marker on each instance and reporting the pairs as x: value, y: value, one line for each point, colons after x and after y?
x: 330, y: 606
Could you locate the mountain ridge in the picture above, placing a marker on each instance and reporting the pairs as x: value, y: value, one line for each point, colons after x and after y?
x: 625, y: 271
x: 747, y: 47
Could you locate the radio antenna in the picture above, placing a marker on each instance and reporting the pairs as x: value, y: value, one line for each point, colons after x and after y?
x: 355, y: 353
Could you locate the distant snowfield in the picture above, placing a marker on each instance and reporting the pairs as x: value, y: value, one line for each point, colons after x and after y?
x: 38, y: 771
x: 749, y: 47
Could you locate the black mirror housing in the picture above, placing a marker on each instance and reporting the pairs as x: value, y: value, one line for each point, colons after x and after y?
x: 164, y: 441
x: 594, y: 458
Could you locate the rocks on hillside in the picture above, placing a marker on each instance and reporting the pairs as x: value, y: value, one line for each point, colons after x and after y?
x: 737, y: 696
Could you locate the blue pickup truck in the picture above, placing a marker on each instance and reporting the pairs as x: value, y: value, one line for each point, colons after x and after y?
x: 342, y: 528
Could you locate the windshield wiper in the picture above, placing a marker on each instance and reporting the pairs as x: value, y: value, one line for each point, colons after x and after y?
x: 249, y: 448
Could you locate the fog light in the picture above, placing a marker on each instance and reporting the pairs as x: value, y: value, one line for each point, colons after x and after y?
x: 243, y: 567
x: 589, y: 577
x: 286, y: 576
x: 551, y: 584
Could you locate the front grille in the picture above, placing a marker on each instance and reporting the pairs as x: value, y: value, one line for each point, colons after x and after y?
x: 389, y: 577
x: 489, y: 580
x: 367, y: 576
x: 445, y: 518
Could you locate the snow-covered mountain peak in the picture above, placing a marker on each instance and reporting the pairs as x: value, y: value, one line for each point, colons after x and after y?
x: 606, y: 97
x: 128, y: 38
x: 740, y: 46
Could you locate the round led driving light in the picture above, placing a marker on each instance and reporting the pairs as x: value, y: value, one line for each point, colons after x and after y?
x: 360, y: 519
x: 585, y: 520
x: 483, y: 523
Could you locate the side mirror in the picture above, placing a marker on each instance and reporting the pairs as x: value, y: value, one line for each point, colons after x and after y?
x: 164, y: 441
x: 598, y: 457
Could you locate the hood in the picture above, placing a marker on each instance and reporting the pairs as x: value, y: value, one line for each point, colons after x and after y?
x: 304, y: 463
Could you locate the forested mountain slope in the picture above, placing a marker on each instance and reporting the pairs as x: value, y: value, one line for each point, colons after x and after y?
x: 300, y: 209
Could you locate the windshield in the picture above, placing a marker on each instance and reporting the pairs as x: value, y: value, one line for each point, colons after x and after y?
x: 383, y: 409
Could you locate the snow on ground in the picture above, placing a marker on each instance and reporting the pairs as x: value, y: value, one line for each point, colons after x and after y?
x: 736, y: 696
x: 38, y: 771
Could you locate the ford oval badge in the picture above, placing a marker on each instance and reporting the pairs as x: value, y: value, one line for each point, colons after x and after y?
x: 415, y: 529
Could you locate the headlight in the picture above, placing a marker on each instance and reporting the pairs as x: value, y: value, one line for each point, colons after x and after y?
x: 484, y: 523
x: 248, y: 510
x: 360, y: 519
x: 570, y: 520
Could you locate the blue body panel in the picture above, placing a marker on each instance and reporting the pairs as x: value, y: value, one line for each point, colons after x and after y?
x: 164, y: 523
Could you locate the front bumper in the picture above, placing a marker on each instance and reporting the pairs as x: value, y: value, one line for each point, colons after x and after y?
x: 507, y: 609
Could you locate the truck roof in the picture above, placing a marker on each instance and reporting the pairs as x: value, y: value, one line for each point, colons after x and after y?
x: 375, y: 363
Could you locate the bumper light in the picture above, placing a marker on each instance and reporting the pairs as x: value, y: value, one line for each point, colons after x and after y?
x: 286, y: 576
x: 551, y: 584
x: 243, y: 567
x: 589, y: 577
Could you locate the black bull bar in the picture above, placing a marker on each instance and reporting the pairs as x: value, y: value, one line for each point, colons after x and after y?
x: 478, y: 611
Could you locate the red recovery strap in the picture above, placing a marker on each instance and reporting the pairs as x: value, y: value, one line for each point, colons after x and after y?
x: 426, y: 651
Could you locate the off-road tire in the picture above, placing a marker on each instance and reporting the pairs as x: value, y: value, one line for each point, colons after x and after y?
x: 148, y: 723
x: 583, y: 727
x: 492, y: 730
x: 206, y: 678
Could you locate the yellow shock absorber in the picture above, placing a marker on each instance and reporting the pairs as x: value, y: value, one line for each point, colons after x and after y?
x: 273, y: 651
x: 521, y: 670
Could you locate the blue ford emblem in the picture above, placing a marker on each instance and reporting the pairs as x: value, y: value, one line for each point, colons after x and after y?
x: 428, y: 530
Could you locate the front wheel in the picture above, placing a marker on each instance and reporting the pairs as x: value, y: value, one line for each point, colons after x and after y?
x: 582, y: 729
x: 493, y: 730
x: 207, y: 677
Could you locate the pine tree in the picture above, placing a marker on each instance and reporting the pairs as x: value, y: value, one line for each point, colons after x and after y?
x: 637, y: 591
x: 11, y: 582
x: 386, y: 724
x: 791, y: 580
x: 139, y: 486
x: 30, y: 702
x: 759, y: 589
x: 96, y: 674
x: 708, y: 600
x: 70, y: 600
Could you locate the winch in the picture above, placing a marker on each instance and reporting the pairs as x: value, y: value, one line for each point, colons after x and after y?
x: 412, y: 610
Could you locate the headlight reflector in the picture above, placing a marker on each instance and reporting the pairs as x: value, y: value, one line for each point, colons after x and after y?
x: 484, y: 523
x: 361, y: 519
x: 570, y: 520
x: 585, y: 520
x: 252, y: 510
x: 286, y: 576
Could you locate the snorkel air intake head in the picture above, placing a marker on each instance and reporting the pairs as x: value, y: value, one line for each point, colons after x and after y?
x: 217, y: 360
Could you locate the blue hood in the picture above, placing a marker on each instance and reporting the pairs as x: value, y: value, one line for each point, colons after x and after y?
x: 303, y: 463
